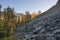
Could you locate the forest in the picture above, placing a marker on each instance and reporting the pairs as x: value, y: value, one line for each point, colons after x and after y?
x: 9, y: 20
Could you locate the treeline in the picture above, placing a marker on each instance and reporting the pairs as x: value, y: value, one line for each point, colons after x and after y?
x: 24, y: 18
x: 9, y: 20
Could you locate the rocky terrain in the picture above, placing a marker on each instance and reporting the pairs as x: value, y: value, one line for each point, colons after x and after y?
x: 44, y: 27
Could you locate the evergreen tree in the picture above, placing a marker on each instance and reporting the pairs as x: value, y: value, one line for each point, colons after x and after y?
x: 28, y: 16
x: 0, y: 8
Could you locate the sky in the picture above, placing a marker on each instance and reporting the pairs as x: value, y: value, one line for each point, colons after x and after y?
x: 21, y: 6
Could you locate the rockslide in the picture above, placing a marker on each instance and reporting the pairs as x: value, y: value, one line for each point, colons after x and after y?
x: 44, y: 27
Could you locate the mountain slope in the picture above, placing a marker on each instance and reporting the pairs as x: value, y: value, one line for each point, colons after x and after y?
x: 44, y: 27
